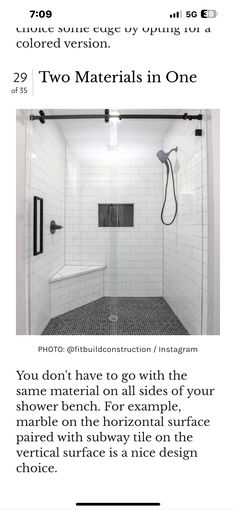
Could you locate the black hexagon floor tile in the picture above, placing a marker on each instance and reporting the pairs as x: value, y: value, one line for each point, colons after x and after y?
x: 136, y: 316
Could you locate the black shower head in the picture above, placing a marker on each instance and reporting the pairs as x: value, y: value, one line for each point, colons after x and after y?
x: 163, y: 156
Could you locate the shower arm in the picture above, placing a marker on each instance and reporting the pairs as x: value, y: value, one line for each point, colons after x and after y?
x: 172, y: 150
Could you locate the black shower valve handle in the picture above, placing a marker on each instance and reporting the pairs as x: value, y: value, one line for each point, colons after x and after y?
x: 54, y: 227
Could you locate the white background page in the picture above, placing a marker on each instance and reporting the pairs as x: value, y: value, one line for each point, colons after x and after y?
x: 207, y: 482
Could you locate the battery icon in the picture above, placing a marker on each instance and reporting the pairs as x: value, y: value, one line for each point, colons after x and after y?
x: 208, y: 13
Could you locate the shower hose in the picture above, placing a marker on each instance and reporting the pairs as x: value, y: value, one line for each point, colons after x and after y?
x: 169, y: 169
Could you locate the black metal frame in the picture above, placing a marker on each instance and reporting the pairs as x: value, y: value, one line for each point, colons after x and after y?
x: 106, y: 116
x: 38, y: 200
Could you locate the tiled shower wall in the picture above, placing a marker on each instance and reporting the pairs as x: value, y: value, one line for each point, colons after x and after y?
x: 133, y: 255
x: 186, y: 241
x: 21, y: 255
x: 46, y: 179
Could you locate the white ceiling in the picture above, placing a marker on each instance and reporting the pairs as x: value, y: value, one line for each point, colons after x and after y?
x: 135, y: 132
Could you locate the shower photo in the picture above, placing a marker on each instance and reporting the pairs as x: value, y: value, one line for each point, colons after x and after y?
x: 117, y: 222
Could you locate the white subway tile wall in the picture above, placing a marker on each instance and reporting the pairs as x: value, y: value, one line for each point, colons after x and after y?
x: 185, y: 242
x: 46, y: 179
x: 133, y: 255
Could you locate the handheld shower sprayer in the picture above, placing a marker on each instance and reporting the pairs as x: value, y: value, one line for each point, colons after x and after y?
x: 164, y: 158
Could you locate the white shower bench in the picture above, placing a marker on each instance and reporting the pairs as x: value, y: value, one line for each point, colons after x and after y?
x: 74, y: 286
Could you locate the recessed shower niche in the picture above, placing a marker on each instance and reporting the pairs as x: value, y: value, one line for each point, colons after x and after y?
x: 115, y: 215
x: 131, y: 190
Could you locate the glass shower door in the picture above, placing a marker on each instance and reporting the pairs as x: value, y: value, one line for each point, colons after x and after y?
x: 185, y: 242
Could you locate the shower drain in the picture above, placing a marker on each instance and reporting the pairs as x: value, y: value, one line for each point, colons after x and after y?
x: 113, y: 318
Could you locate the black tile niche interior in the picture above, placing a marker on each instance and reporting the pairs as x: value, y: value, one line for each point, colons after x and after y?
x: 115, y: 215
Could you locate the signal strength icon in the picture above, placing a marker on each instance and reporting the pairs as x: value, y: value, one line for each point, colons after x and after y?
x: 177, y: 14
